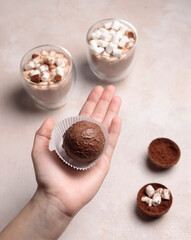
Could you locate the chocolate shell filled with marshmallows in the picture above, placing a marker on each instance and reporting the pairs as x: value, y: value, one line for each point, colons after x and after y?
x: 84, y: 141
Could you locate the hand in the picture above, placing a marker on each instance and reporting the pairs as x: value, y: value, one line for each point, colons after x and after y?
x: 71, y: 188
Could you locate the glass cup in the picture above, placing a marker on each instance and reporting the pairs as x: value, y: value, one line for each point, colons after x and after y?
x: 54, y: 95
x: 111, y: 69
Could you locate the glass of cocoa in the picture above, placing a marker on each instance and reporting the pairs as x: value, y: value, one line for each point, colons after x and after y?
x: 111, y: 48
x: 48, y: 75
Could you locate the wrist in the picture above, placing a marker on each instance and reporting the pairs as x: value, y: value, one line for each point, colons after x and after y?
x: 52, y: 215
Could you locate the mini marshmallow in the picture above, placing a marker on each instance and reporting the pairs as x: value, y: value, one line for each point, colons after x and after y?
x: 116, y: 25
x: 103, y: 30
x: 105, y: 54
x: 44, y: 53
x: 43, y: 68
x: 150, y: 190
x: 45, y: 76
x: 112, y: 32
x: 117, y: 52
x: 116, y: 37
x: 147, y: 200
x: 113, y: 58
x: 105, y: 36
x: 49, y: 60
x: 60, y: 62
x: 37, y: 65
x: 36, y: 60
x: 53, y: 71
x: 93, y: 43
x: 30, y: 65
x: 52, y: 53
x: 110, y: 47
x: 60, y: 71
x: 108, y: 25
x: 156, y: 199
x: 123, y: 41
x: 96, y: 34
x: 98, y: 50
x: 34, y: 72
x: 130, y: 45
x: 159, y: 191
x: 102, y: 43
x: 123, y: 28
x: 166, y: 194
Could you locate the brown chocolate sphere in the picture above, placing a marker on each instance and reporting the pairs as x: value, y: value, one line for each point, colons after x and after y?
x: 84, y: 141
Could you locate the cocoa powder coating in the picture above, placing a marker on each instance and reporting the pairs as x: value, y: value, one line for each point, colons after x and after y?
x: 163, y: 152
x: 84, y: 141
x: 153, y: 211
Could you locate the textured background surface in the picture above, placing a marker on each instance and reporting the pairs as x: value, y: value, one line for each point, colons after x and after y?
x: 156, y: 102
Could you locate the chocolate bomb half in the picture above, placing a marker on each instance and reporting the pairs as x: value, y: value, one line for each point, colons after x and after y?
x: 84, y: 141
x: 163, y: 152
x: 153, y: 211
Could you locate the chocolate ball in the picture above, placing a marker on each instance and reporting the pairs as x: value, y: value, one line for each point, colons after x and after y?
x: 153, y: 211
x: 163, y: 152
x: 84, y: 141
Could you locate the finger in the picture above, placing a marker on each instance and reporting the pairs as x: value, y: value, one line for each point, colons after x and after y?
x: 43, y: 135
x: 91, y: 102
x: 114, y: 132
x: 102, y: 105
x: 112, y: 111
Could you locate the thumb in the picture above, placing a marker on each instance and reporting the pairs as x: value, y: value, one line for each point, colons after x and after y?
x: 42, y: 137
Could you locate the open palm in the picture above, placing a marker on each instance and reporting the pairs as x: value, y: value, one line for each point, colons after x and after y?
x: 72, y: 188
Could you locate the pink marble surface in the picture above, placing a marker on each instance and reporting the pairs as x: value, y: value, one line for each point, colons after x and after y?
x: 156, y: 102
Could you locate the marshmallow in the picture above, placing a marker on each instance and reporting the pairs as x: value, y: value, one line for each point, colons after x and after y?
x: 130, y: 45
x: 147, y: 200
x: 44, y: 53
x: 116, y: 25
x: 34, y: 72
x: 49, y: 60
x: 37, y: 65
x: 36, y: 60
x: 96, y: 34
x: 123, y: 28
x: 116, y: 37
x: 103, y: 30
x: 110, y: 47
x: 166, y: 194
x: 150, y: 190
x: 45, y: 76
x: 156, y: 199
x: 108, y: 25
x: 53, y: 71
x: 112, y: 32
x: 113, y: 58
x: 117, y: 52
x: 52, y: 53
x: 98, y: 50
x: 60, y: 62
x: 30, y: 65
x: 43, y: 68
x: 102, y: 43
x: 106, y: 36
x: 59, y: 71
x: 93, y: 43
x: 159, y: 190
x: 123, y: 41
x: 105, y: 54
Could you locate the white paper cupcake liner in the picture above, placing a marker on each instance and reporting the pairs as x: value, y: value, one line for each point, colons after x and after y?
x: 56, y: 141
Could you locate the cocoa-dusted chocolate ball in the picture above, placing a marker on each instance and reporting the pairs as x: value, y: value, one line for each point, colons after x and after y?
x: 84, y: 141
